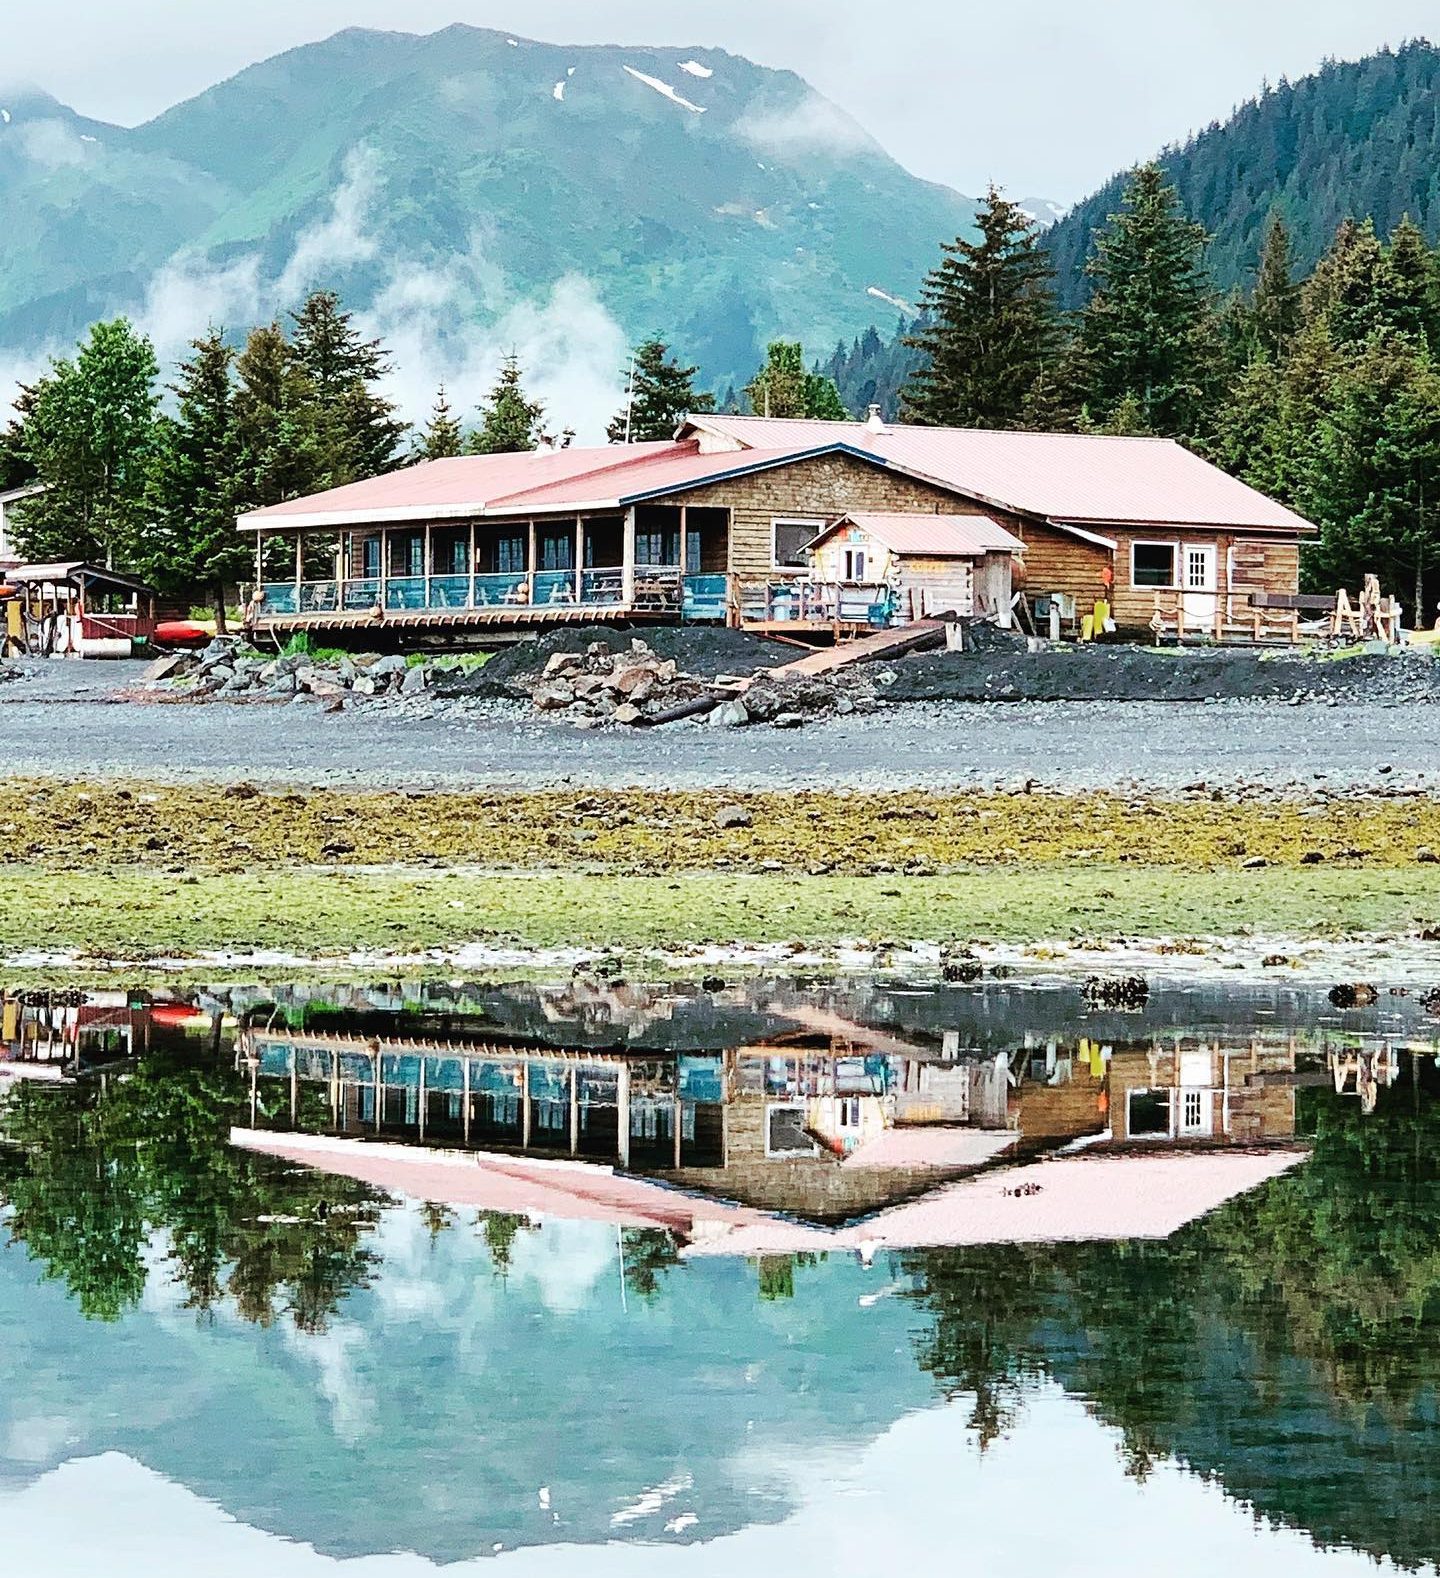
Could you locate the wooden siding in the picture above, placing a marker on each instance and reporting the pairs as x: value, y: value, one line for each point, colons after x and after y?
x: 938, y: 585
x: 817, y: 489
x: 1260, y: 564
x: 1057, y: 563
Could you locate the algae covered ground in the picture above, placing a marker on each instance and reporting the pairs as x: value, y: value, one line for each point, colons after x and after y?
x: 138, y: 915
x: 141, y: 871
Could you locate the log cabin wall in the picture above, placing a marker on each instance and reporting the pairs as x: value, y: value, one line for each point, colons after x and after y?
x: 1057, y: 563
x: 1243, y: 564
x: 817, y: 489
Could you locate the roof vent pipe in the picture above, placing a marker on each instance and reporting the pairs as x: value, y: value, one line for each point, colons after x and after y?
x: 874, y: 423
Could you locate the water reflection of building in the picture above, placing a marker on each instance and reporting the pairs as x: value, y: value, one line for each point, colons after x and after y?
x: 48, y: 1034
x: 797, y: 1122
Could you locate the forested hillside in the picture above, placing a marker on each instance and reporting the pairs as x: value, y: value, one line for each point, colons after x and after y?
x: 1359, y: 138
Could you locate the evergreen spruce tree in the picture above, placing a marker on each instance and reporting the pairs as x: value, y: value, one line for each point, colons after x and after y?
x: 1147, y: 331
x: 198, y: 483
x: 442, y: 438
x: 509, y: 421
x: 355, y: 427
x: 281, y: 452
x: 662, y: 394
x: 991, y: 332
x: 1412, y: 267
x: 783, y: 387
x: 89, y: 430
x: 1275, y: 306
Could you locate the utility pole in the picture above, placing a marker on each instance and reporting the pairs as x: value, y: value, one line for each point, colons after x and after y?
x: 630, y: 398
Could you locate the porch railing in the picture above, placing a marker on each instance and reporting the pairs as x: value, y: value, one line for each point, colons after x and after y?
x: 655, y: 588
x: 819, y: 602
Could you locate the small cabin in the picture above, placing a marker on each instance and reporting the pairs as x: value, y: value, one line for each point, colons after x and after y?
x: 915, y: 566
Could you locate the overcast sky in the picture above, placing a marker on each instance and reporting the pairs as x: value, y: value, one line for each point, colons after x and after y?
x: 1046, y: 97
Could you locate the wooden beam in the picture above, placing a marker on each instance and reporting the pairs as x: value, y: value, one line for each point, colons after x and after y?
x: 627, y: 561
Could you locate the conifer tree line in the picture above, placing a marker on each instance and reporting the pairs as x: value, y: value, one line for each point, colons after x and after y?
x: 1322, y: 392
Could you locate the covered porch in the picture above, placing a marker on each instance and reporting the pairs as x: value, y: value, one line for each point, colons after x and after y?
x: 662, y: 562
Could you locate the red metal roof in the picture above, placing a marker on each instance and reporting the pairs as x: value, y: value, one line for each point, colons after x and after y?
x: 1080, y: 477
x: 1069, y: 478
x: 471, y: 482
x: 932, y: 536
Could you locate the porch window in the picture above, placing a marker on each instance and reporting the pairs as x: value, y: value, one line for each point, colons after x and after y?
x: 407, y: 555
x: 1152, y: 564
x: 557, y: 551
x: 657, y: 547
x: 854, y: 564
x: 370, y: 558
x: 788, y: 538
x: 510, y: 556
x: 449, y: 550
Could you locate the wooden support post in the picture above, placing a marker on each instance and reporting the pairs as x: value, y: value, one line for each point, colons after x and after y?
x: 530, y: 565
x: 627, y: 561
x: 679, y: 1116
x: 420, y: 1102
x: 382, y: 592
x: 622, y: 1133
x: 379, y: 1091
x: 299, y: 566
x: 429, y: 565
x: 470, y: 582
x: 344, y: 553
x: 465, y: 1099
x: 574, y: 1111
x: 294, y: 1088
x: 335, y: 1089
x: 579, y: 559
x: 259, y: 558
x: 525, y: 1104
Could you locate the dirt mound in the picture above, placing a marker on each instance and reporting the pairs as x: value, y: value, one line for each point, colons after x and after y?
x: 694, y: 649
x: 1135, y: 673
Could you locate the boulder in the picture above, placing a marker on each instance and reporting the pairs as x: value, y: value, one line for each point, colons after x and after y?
x: 636, y: 682
x: 733, y: 816
x: 627, y: 713
x: 730, y: 714
x: 416, y: 680
x: 391, y: 663
x: 563, y: 663
x: 554, y: 696
x: 790, y: 720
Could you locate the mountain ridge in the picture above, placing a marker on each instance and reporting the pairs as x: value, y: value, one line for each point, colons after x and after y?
x: 695, y: 193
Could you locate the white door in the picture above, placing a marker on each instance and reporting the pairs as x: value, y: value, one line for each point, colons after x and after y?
x: 1199, y: 584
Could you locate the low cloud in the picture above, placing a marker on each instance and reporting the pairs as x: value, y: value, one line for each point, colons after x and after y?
x: 451, y: 323
x: 813, y: 125
x: 52, y: 144
x: 341, y: 238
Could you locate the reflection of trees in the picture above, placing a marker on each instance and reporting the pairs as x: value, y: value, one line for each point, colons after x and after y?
x: 1303, y: 1313
x: 500, y: 1229
x: 93, y: 1173
x: 776, y: 1273
x: 648, y: 1252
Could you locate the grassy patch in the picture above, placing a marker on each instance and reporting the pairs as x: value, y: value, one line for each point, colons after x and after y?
x: 307, y: 911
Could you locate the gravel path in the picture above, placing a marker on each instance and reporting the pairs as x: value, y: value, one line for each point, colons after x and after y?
x: 63, y: 720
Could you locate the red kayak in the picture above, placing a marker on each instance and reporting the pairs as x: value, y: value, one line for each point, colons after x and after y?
x: 185, y: 632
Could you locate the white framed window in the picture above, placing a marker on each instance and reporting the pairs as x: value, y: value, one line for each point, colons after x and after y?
x: 785, y: 1131
x: 854, y: 564
x: 848, y: 1112
x: 788, y: 536
x: 1147, y: 1114
x: 1154, y: 564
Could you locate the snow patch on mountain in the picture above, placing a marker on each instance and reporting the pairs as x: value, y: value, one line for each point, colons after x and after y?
x: 884, y: 295
x: 695, y: 69
x: 666, y: 90
x: 558, y: 91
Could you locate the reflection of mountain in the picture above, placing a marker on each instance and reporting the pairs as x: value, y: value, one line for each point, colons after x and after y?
x: 457, y: 1396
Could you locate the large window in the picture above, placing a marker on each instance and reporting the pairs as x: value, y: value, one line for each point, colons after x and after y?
x: 790, y: 537
x: 1152, y: 564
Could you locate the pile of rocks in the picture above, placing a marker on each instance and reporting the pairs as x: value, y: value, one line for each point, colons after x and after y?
x: 223, y: 671
x: 635, y: 686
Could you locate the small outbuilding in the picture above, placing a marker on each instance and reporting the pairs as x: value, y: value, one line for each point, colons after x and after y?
x: 75, y: 610
x: 923, y: 565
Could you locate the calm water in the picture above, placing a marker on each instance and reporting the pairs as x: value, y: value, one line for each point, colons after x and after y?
x: 221, y: 1360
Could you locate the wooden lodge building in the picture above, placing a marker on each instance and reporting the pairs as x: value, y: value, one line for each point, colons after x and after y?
x: 732, y: 521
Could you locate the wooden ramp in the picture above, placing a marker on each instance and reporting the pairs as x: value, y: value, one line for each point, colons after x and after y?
x: 884, y: 643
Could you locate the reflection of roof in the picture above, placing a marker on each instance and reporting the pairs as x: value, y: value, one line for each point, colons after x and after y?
x: 1077, y: 477
x: 930, y: 536
x: 1078, y: 1197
